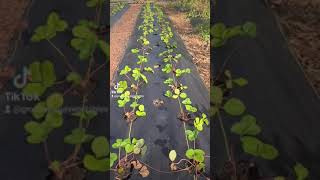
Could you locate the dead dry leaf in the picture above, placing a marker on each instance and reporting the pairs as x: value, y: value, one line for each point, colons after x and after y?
x: 144, y: 172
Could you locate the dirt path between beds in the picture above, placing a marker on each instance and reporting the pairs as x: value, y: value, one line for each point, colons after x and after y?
x: 300, y: 23
x: 11, y: 22
x: 120, y: 34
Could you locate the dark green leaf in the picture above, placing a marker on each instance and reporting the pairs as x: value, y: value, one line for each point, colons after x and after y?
x: 234, y: 107
x: 100, y: 146
x: 55, y: 101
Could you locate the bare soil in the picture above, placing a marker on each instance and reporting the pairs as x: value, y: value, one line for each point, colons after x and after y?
x: 300, y: 21
x: 120, y: 34
x: 11, y: 23
x: 196, y: 46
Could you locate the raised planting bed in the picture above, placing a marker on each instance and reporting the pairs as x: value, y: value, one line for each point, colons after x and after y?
x: 54, y: 126
x: 268, y: 127
x: 158, y: 107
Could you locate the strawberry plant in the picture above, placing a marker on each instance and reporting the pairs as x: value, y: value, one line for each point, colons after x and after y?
x: 43, y: 82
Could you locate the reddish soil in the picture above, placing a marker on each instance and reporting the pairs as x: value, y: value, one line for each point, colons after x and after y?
x: 300, y: 22
x: 11, y: 23
x: 120, y: 34
x: 197, y: 48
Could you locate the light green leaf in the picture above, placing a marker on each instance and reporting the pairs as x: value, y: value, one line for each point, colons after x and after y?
x: 135, y: 51
x: 96, y: 165
x: 190, y: 153
x: 113, y: 158
x: 100, y: 147
x: 183, y: 95
x: 187, y: 101
x: 172, y: 155
x: 129, y: 148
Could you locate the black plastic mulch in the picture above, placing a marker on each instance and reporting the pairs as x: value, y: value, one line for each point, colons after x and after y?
x: 20, y: 160
x: 278, y: 93
x: 161, y: 129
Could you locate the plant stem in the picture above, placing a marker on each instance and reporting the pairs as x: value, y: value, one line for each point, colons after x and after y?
x: 61, y: 54
x: 130, y: 128
x: 89, y: 68
x: 97, y: 69
x: 99, y: 13
x: 129, y: 79
x: 68, y: 90
x: 46, y: 151
x: 226, y: 142
x: 194, y: 144
x: 78, y: 146
x: 185, y: 129
x: 119, y: 154
x: 225, y: 63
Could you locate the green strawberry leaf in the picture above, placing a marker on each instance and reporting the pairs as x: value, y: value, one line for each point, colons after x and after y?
x: 74, y: 77
x: 55, y: 101
x: 234, y: 107
x: 247, y: 126
x: 100, y: 147
x: 301, y: 172
x: 96, y: 165
x: 54, y: 119
x: 39, y: 110
x: 78, y: 136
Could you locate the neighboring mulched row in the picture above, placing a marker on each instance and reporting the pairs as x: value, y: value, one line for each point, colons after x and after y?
x: 300, y: 23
